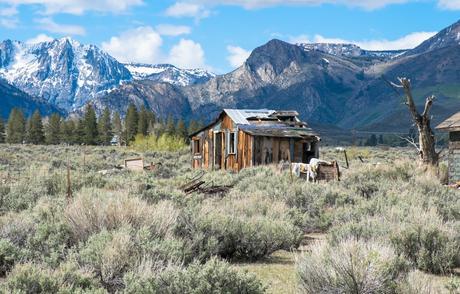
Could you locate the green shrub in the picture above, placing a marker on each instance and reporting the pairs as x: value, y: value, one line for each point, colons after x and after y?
x: 213, y: 277
x: 9, y: 255
x: 350, y: 267
x: 429, y: 246
x: 31, y: 278
x: 40, y: 234
x: 418, y: 282
x: 35, y: 278
x: 225, y: 234
x: 164, y: 142
x: 109, y: 255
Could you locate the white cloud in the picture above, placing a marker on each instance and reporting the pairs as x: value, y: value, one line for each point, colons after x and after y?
x: 9, y: 23
x: 9, y: 11
x: 142, y: 44
x: 172, y: 30
x: 78, y: 6
x: 254, y: 4
x: 406, y: 42
x: 190, y: 5
x: 187, y: 9
x: 298, y: 39
x: 449, y: 4
x: 187, y: 54
x: 48, y: 24
x: 237, y: 55
x: 39, y: 39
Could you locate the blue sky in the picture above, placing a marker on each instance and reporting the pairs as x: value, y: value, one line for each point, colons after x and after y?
x: 219, y: 34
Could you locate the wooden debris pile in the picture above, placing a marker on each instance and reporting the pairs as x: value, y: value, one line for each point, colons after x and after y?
x: 198, y: 185
x: 137, y: 164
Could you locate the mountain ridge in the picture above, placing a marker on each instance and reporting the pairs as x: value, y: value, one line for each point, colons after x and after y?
x: 339, y: 85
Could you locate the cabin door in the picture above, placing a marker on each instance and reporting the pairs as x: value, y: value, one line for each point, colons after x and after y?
x: 218, y: 150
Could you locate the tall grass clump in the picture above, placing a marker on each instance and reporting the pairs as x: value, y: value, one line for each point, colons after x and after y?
x: 93, y: 211
x: 350, y: 267
x: 164, y: 142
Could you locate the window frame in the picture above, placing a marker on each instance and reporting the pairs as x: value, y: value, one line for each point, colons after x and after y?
x: 234, y: 145
x: 196, y: 143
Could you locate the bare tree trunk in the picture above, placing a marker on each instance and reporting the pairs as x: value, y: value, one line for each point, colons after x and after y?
x: 427, y: 141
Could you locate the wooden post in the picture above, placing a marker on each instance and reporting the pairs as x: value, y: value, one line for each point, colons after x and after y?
x: 346, y: 157
x: 338, y: 169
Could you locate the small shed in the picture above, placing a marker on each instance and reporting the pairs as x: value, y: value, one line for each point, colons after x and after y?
x: 452, y: 125
x: 240, y: 138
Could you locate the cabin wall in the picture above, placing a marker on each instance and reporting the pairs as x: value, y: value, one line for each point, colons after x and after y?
x: 216, y: 136
x: 454, y: 162
x: 269, y: 150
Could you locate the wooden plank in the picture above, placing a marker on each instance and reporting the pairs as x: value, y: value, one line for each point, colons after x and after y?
x: 276, y: 150
x: 136, y: 164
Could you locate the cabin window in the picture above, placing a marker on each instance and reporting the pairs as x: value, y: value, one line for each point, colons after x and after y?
x: 232, y: 143
x: 196, y: 146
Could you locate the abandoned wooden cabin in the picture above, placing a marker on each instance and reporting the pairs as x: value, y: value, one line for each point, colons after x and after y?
x: 452, y: 125
x: 241, y: 138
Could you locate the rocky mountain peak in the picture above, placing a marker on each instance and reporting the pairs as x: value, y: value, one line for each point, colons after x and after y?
x: 276, y: 53
x: 448, y: 37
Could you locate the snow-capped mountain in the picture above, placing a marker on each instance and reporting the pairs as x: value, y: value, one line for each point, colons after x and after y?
x: 349, y: 50
x: 64, y: 72
x: 168, y: 73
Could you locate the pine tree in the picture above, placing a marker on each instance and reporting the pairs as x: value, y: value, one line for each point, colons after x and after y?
x: 105, y: 128
x: 170, y: 126
x: 372, y: 141
x: 68, y: 132
x: 143, y: 122
x: 118, y: 127
x: 192, y: 127
x: 79, y: 133
x: 131, y: 123
x: 53, y: 129
x: 2, y: 131
x: 181, y: 130
x: 35, y: 134
x: 16, y: 127
x: 151, y: 119
x: 90, y: 126
x: 381, y: 139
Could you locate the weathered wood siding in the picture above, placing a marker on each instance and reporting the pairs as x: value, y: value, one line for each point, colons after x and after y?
x: 250, y: 150
x: 454, y: 162
x: 244, y: 154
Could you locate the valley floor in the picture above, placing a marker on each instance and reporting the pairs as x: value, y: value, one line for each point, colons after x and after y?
x: 391, y: 226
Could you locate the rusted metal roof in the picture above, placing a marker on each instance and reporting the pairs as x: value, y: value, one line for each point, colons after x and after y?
x: 265, y: 122
x: 240, y: 116
x: 450, y: 124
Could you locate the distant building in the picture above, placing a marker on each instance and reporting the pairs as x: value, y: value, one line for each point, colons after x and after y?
x: 115, y: 141
x: 452, y: 125
x: 241, y: 138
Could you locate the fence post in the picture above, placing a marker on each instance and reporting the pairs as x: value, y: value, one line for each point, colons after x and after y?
x: 346, y: 157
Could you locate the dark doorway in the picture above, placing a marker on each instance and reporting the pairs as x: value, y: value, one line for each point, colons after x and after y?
x: 218, y: 150
x: 308, y: 152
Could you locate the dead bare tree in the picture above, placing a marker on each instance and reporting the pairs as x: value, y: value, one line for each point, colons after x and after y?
x: 426, y: 140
